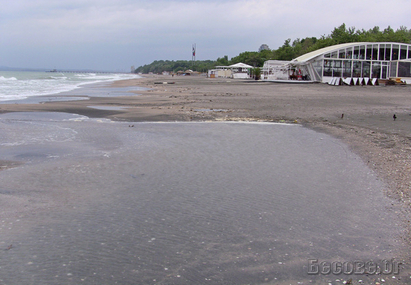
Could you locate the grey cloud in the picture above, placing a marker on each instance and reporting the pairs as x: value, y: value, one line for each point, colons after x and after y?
x: 88, y: 32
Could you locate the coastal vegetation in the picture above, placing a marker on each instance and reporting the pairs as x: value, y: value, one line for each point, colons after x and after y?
x: 289, y: 50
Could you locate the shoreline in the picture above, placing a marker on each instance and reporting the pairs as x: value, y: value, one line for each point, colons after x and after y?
x: 367, y: 126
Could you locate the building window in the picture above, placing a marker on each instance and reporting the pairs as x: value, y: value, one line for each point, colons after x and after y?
x: 341, y: 53
x: 356, y: 52
x: 395, y: 52
x: 369, y: 52
x: 317, y: 65
x: 362, y: 52
x: 403, y: 52
x: 337, y: 69
x: 376, y: 69
x: 366, y: 69
x: 381, y: 55
x: 328, y: 68
x: 387, y: 52
x: 409, y: 51
x: 404, y: 69
x: 347, y: 68
x: 375, y: 52
x: 356, y: 71
x: 349, y: 53
x: 393, y: 69
x: 384, y: 70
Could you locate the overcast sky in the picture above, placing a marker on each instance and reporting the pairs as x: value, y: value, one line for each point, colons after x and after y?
x: 116, y: 34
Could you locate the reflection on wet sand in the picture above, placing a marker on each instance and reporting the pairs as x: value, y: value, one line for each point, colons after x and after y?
x: 185, y: 203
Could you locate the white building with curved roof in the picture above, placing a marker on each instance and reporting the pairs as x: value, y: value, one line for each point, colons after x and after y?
x: 352, y: 63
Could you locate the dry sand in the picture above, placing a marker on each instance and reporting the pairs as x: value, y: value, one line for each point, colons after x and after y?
x: 367, y: 125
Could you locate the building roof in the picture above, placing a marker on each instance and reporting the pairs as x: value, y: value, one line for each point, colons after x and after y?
x: 308, y: 56
x: 237, y: 65
x: 311, y: 55
x: 240, y: 65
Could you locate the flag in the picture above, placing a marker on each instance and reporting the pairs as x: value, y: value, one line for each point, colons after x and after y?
x: 194, y: 51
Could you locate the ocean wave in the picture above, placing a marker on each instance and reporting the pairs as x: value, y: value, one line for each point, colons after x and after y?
x: 58, y: 78
x: 20, y: 85
x: 10, y: 78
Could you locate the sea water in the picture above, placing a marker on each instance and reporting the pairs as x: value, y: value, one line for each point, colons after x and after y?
x: 18, y: 85
x: 100, y: 202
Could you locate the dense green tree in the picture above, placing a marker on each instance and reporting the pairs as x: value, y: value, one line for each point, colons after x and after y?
x: 222, y: 61
x: 253, y: 58
x: 256, y: 73
x: 343, y: 35
x: 285, y: 52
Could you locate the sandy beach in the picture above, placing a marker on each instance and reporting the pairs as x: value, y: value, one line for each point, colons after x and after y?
x: 361, y: 117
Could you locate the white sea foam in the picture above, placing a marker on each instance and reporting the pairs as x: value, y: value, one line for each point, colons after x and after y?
x: 20, y: 85
x: 5, y: 78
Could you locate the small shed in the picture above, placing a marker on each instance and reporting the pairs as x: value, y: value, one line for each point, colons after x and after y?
x: 219, y: 72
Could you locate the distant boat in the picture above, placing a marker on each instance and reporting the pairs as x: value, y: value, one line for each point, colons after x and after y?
x: 53, y: 70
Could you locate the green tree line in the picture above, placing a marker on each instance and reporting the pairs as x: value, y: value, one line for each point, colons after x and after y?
x: 288, y: 51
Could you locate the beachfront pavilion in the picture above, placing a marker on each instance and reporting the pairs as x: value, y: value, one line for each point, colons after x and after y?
x: 352, y: 63
x: 238, y: 70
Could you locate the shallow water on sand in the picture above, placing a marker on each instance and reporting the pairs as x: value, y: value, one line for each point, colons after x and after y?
x: 183, y: 203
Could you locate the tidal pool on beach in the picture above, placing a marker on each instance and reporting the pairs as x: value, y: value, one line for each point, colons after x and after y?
x: 101, y: 202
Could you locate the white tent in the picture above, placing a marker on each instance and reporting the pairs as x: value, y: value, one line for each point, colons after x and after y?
x: 240, y: 65
x: 240, y: 70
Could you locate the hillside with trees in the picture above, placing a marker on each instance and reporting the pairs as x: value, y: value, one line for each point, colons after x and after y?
x: 288, y: 51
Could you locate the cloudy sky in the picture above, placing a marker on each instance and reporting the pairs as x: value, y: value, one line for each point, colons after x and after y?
x: 116, y: 34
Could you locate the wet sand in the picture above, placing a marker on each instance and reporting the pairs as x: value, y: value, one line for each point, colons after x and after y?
x: 367, y: 126
x: 102, y: 202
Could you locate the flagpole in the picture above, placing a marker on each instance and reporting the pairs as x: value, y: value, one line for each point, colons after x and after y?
x: 193, y: 57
